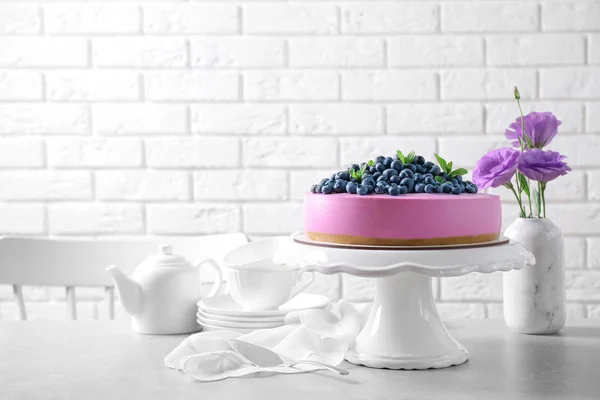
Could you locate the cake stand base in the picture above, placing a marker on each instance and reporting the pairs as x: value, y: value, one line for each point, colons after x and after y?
x: 404, y: 330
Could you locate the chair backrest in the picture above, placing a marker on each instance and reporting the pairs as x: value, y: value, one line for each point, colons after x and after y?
x: 75, y: 262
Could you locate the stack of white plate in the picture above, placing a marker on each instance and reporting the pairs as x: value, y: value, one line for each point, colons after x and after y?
x: 223, y: 313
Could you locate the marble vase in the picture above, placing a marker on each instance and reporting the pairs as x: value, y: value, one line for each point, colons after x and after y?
x: 534, y: 297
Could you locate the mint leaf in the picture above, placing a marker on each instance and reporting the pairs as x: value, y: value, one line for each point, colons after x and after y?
x: 363, y: 169
x: 370, y: 163
x: 400, y: 156
x: 449, y: 167
x: 443, y: 164
x: 459, y: 171
x: 410, y: 157
x: 439, y: 179
x: 523, y: 184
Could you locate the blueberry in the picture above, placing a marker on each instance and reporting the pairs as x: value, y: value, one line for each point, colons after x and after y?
x: 408, y: 183
x: 362, y: 190
x: 343, y: 175
x: 470, y: 189
x: 368, y: 182
x: 427, y: 175
x: 403, y: 189
x: 340, y: 186
x: 419, y: 160
x: 435, y: 170
x: 323, y: 181
x: 394, y: 191
x: 382, y: 179
x: 429, y: 180
x: 461, y: 187
x: 475, y: 188
x: 372, y: 169
x: 380, y: 189
x: 393, y: 184
x: 376, y: 175
x: 459, y: 178
x: 351, y: 187
x: 417, y: 177
x: 408, y: 171
x: 388, y: 162
x: 397, y: 165
x: 355, y: 167
x: 428, y: 188
x: 455, y: 190
x: 412, y: 167
x: 380, y: 167
x: 437, y: 188
x: 327, y: 189
x: 379, y: 159
x: 313, y: 189
x: 447, y: 186
x: 454, y: 181
x: 366, y: 176
x: 445, y: 176
x: 419, y: 188
x: 427, y: 164
x: 332, y: 177
x: 395, y: 179
x: 421, y: 169
x: 389, y: 173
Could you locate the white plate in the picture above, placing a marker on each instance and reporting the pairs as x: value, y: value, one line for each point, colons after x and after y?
x: 225, y: 305
x: 209, y: 327
x: 217, y: 317
x: 242, y: 325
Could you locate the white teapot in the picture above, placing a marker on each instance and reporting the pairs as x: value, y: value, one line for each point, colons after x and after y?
x: 163, y: 292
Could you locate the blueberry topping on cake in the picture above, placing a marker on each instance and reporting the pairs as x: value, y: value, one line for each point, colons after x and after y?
x: 397, y: 175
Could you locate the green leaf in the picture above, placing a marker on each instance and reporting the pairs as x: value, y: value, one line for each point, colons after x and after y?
x: 439, y: 179
x: 443, y: 164
x: 458, y: 171
x: 400, y: 156
x: 363, y: 169
x: 528, y: 141
x: 410, y: 157
x: 523, y: 183
x: 449, y: 167
x: 370, y: 163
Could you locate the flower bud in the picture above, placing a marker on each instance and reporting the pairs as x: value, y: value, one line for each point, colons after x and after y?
x: 516, y: 93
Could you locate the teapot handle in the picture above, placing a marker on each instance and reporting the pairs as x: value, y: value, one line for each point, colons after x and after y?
x: 219, y: 281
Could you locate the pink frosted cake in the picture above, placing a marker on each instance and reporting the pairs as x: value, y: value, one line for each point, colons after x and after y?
x: 401, y: 201
x: 409, y: 220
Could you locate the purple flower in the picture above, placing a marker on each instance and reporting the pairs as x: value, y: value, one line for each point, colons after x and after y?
x: 541, y: 127
x: 496, y: 168
x: 543, y: 166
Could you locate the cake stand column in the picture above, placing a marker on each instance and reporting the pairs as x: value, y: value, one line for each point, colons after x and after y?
x: 404, y: 330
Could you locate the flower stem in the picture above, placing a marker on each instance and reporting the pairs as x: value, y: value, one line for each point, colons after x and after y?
x: 521, y: 139
x: 512, y: 188
x: 543, y: 194
x: 529, y: 197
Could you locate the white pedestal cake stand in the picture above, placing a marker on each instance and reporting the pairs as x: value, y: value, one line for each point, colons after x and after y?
x: 404, y: 330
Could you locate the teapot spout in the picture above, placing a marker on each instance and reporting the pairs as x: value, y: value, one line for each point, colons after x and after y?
x: 130, y: 291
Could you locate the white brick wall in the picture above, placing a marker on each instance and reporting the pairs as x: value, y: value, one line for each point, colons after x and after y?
x: 198, y: 117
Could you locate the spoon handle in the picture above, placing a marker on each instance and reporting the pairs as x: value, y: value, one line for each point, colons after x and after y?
x: 329, y: 367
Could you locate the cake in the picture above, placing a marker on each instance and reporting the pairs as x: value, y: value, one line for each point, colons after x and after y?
x: 400, y: 201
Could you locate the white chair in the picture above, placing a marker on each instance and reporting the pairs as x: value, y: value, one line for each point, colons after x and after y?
x: 73, y: 262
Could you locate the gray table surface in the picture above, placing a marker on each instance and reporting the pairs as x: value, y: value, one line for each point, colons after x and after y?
x: 105, y: 360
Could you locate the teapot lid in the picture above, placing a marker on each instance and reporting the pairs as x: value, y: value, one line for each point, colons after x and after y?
x: 165, y: 257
